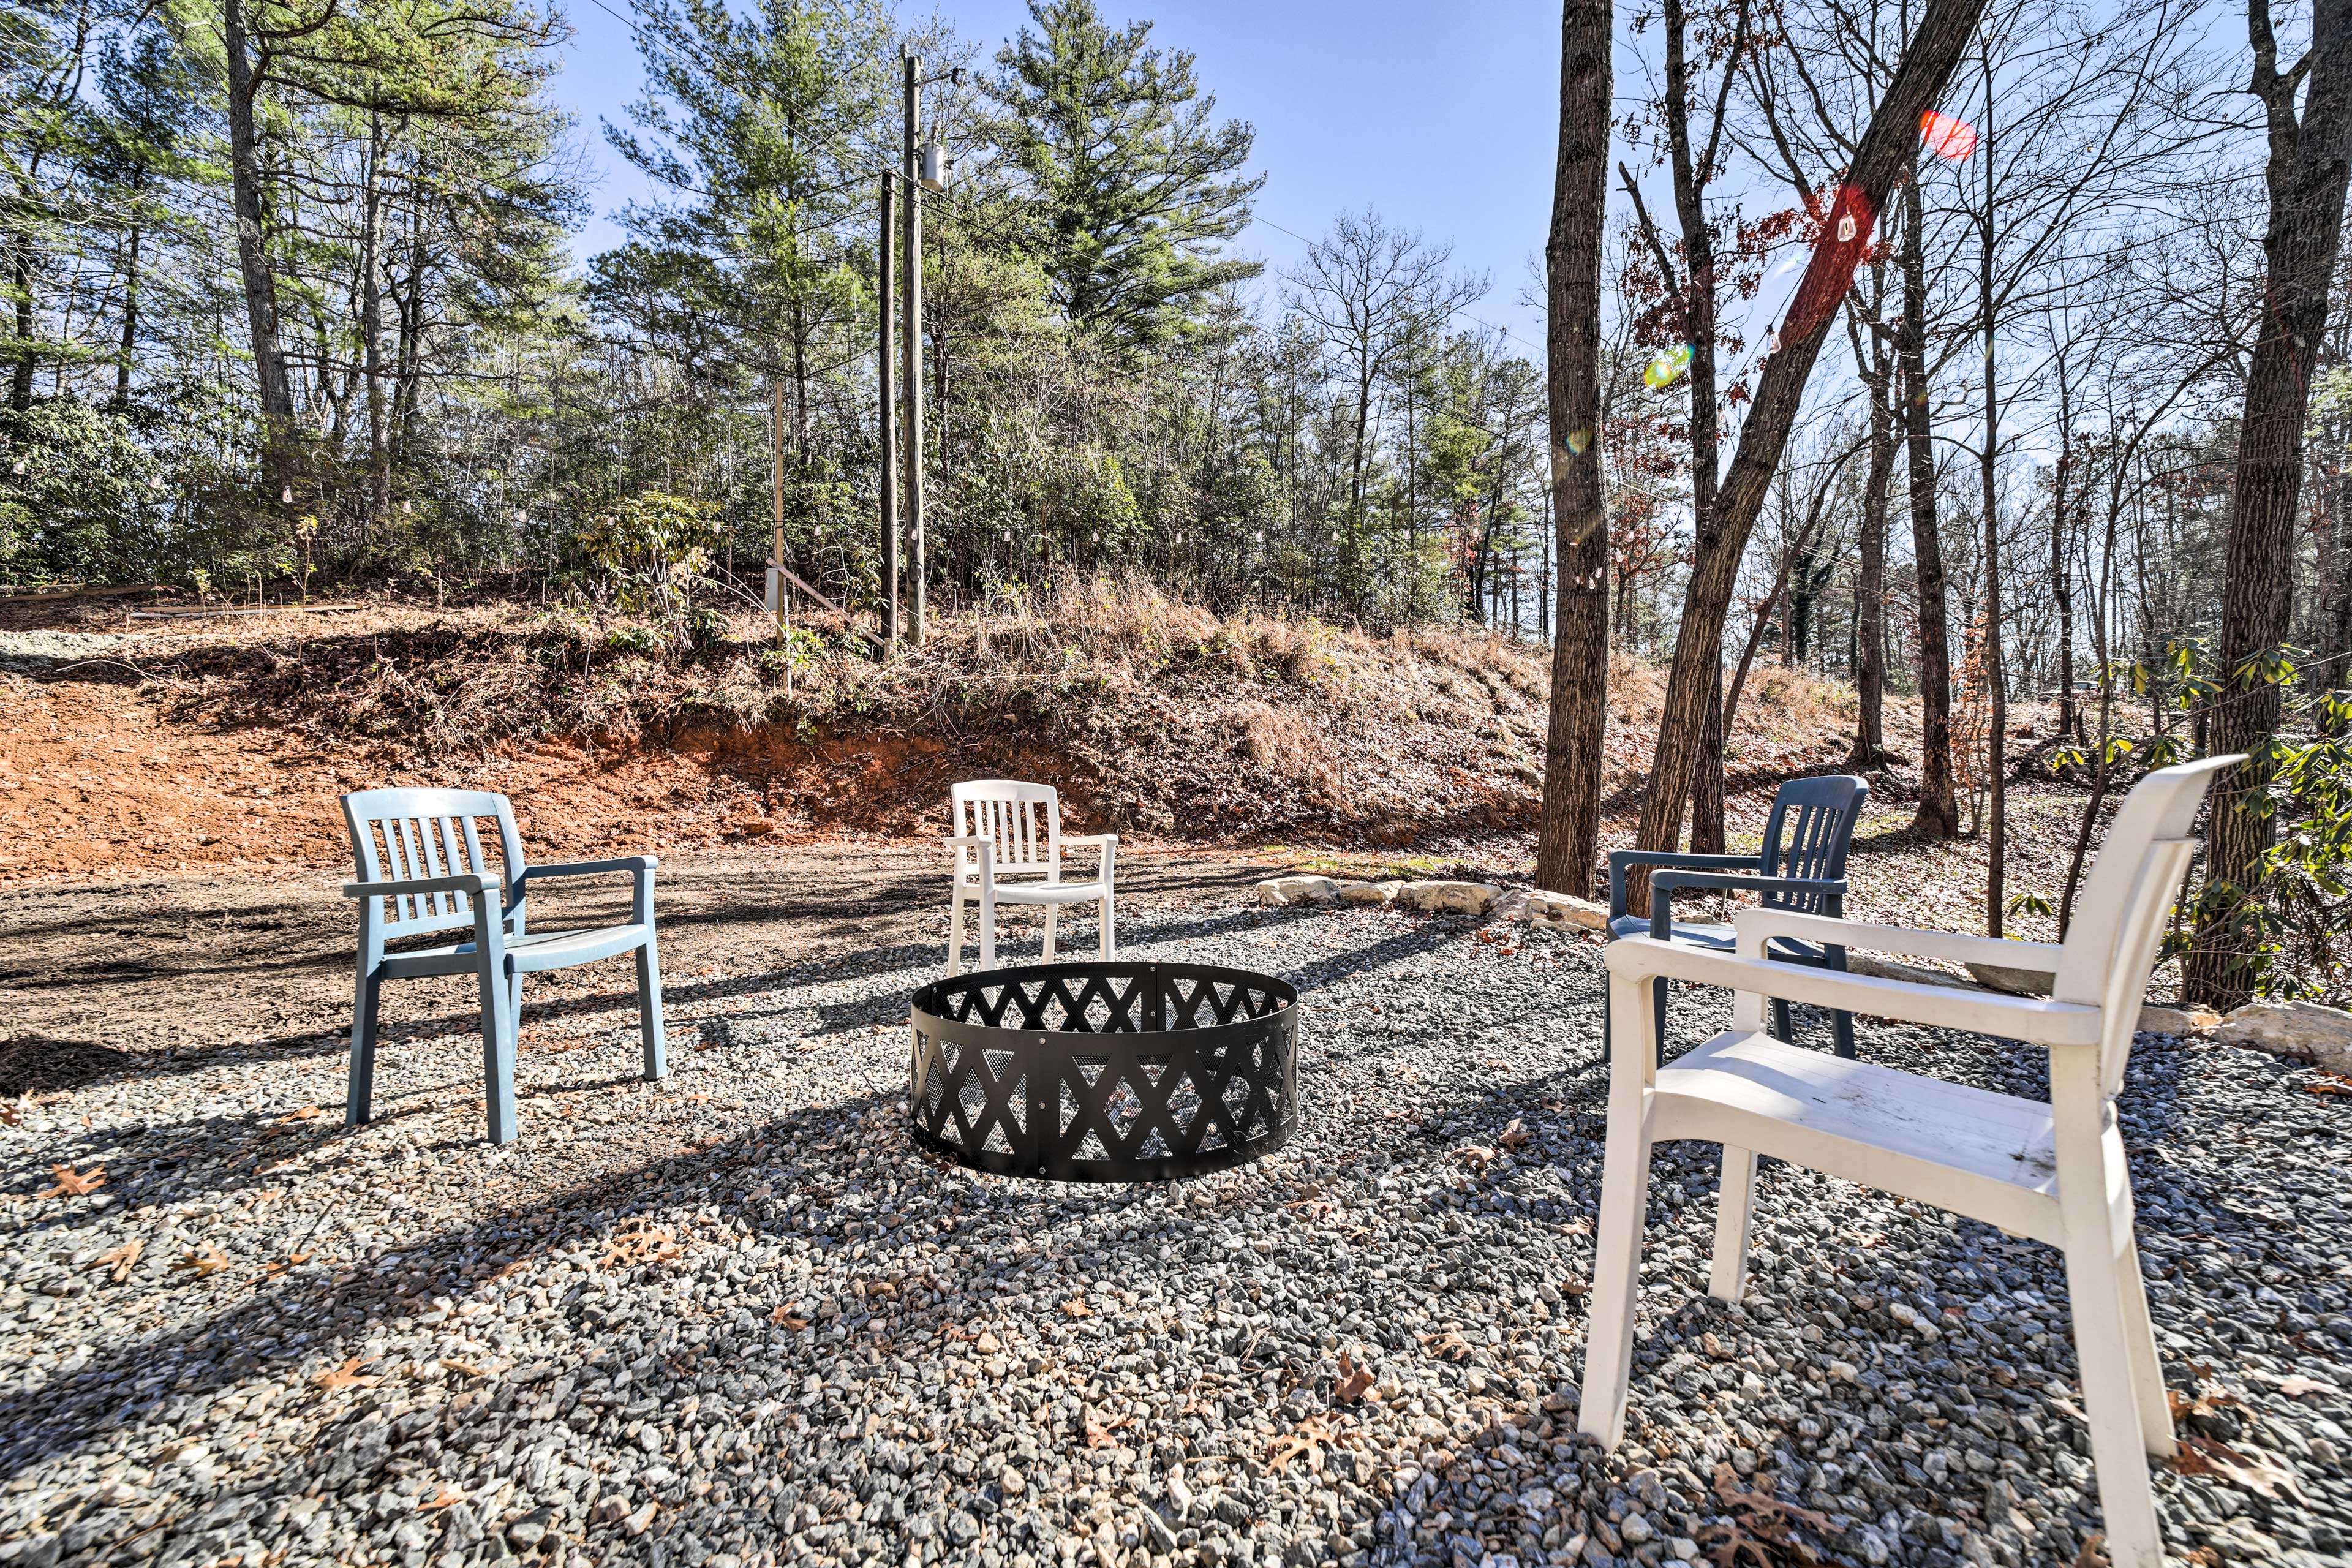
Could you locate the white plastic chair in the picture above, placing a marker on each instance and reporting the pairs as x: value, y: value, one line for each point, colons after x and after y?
x: 1004, y: 830
x: 2053, y: 1172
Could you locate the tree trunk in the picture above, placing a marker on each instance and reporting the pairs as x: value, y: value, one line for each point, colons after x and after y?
x: 1883, y: 157
x: 1996, y: 677
x: 1569, y: 841
x: 1939, y: 813
x: 2062, y: 566
x: 1870, y: 591
x: 2307, y: 177
x: 20, y: 279
x: 130, y: 348
x: 276, y: 393
x: 371, y: 323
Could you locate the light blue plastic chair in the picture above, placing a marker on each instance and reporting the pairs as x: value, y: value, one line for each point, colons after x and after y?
x: 421, y: 869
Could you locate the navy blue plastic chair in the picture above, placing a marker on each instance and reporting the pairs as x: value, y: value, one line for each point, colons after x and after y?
x: 1801, y: 867
x: 422, y: 869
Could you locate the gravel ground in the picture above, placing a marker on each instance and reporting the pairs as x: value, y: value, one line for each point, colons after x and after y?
x: 732, y: 1317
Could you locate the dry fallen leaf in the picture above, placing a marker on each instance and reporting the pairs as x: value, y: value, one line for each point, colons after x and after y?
x: 783, y: 1314
x: 1309, y: 1441
x: 304, y: 1114
x: 442, y: 1497
x: 208, y: 1262
x: 2196, y: 1455
x: 1354, y: 1380
x: 293, y: 1261
x: 345, y: 1376
x: 120, y: 1259
x: 1447, y: 1346
x: 642, y: 1244
x: 464, y: 1368
x: 1075, y: 1306
x: 72, y: 1183
x: 1516, y: 1135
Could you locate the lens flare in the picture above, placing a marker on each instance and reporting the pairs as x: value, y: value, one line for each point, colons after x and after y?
x: 1666, y: 367
x: 1948, y: 136
x: 1578, y: 441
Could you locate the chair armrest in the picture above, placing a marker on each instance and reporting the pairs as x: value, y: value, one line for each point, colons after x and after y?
x: 464, y: 882
x: 641, y: 866
x: 1107, y: 843
x: 590, y: 867
x: 1620, y: 859
x: 970, y: 841
x: 1663, y: 883
x: 1756, y: 926
x: 1980, y: 1011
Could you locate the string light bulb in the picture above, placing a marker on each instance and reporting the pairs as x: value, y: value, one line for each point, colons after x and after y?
x: 286, y: 496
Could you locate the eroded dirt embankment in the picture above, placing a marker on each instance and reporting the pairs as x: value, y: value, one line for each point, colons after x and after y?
x: 226, y: 743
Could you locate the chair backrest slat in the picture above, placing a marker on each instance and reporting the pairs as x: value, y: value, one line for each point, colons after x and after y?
x: 1809, y: 834
x: 1022, y: 822
x: 417, y: 835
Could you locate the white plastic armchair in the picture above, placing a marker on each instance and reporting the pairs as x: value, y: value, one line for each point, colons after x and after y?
x: 2054, y: 1172
x: 1008, y: 845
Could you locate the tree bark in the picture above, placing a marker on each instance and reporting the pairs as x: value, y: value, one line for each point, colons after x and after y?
x: 1939, y: 813
x: 1870, y: 588
x: 1995, y: 673
x: 275, y: 392
x: 1882, y: 158
x: 2306, y: 175
x: 1569, y: 843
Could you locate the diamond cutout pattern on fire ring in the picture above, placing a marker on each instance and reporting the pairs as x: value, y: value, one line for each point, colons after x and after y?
x: 1151, y: 1109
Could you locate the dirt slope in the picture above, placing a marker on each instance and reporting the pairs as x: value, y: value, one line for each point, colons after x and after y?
x: 224, y: 744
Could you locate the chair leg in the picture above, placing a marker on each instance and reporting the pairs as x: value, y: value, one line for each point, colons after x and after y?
x: 2111, y: 1402
x: 987, y: 925
x: 2148, y: 1370
x: 1107, y: 945
x: 514, y: 989
x: 1842, y: 1029
x: 649, y: 1011
x: 1053, y: 914
x: 1658, y: 1006
x: 1784, y: 1027
x: 955, y: 930
x: 498, y: 1053
x: 1735, y: 1202
x: 366, y: 1000
x: 1617, y: 1278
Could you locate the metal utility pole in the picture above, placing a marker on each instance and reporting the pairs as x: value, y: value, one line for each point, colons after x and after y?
x: 889, y: 455
x: 913, y: 334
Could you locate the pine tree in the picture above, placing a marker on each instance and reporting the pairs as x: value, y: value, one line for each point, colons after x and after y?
x: 1132, y: 186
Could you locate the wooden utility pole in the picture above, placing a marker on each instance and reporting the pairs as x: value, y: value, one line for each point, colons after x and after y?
x: 886, y: 286
x: 913, y: 334
x: 776, y: 544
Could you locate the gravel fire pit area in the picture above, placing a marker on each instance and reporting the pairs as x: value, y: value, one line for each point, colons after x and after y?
x: 735, y: 1318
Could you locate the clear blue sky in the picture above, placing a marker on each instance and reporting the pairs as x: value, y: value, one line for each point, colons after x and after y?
x: 1442, y: 117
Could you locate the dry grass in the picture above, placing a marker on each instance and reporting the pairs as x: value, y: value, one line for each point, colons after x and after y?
x: 1153, y: 711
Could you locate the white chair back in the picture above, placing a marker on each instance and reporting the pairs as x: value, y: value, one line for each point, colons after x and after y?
x: 412, y: 835
x: 2119, y: 919
x: 1022, y: 821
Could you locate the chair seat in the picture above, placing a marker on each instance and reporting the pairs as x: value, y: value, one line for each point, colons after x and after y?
x: 1961, y: 1148
x: 526, y: 955
x: 1706, y: 934
x: 1042, y: 892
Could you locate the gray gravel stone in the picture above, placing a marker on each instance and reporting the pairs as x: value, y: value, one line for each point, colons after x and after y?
x: 734, y: 1320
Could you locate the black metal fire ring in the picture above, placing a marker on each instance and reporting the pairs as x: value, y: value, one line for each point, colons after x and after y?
x: 1105, y: 1072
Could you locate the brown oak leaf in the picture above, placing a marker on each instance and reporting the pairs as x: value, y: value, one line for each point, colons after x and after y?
x: 72, y: 1183
x: 1354, y: 1380
x: 120, y: 1259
